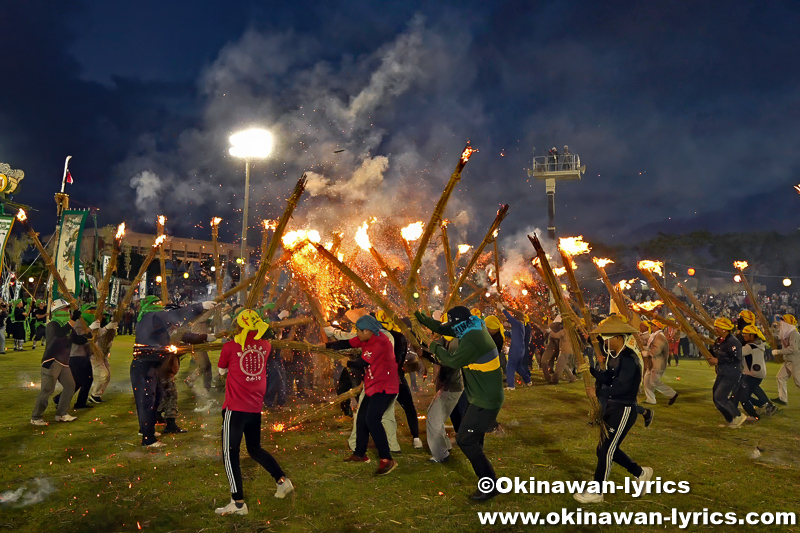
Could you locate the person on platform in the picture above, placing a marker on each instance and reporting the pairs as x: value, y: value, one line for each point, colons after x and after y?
x: 621, y: 382
x: 243, y: 363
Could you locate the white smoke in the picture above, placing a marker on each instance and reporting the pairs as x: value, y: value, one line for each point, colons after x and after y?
x: 33, y: 492
x: 148, y: 186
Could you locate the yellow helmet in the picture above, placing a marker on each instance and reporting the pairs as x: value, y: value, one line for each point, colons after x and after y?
x: 723, y: 323
x: 748, y: 316
x: 476, y: 312
x: 790, y: 319
x: 752, y: 330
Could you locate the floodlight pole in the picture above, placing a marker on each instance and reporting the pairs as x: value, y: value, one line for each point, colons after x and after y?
x: 243, y: 270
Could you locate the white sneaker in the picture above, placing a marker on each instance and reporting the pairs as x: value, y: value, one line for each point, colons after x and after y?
x: 417, y: 443
x: 647, y: 474
x: 231, y: 509
x: 66, y: 418
x: 38, y: 422
x: 157, y: 444
x: 588, y: 497
x: 510, y: 388
x: 738, y: 421
x: 156, y: 434
x: 283, y: 488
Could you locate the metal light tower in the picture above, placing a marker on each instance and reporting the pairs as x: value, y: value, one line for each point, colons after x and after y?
x: 551, y: 168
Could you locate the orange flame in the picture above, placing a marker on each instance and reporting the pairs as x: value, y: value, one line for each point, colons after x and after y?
x: 215, y: 221
x: 601, y: 262
x: 436, y: 290
x: 740, y: 265
x: 120, y: 231
x: 624, y: 285
x: 495, y: 233
x: 573, y: 245
x: 467, y: 153
x: 278, y: 426
x: 412, y: 232
x: 270, y: 224
x: 444, y: 222
x: 647, y: 306
x: 295, y: 238
x: 159, y: 241
x: 21, y: 216
x: 651, y: 266
x: 463, y: 248
x: 559, y: 271
x: 797, y: 188
x: 362, y: 239
x: 162, y: 219
x: 172, y: 348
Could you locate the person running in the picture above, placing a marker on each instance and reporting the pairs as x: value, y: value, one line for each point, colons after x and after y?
x: 622, y: 381
x: 727, y: 356
x: 516, y: 351
x: 479, y: 361
x: 754, y: 370
x: 243, y: 361
x: 657, y: 352
x: 790, y: 352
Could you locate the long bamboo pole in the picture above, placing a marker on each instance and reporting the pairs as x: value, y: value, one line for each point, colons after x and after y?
x: 162, y: 260
x: 448, y: 258
x: 587, y: 316
x: 685, y: 326
x: 618, y: 301
x: 266, y: 259
x: 652, y: 315
x: 689, y: 312
x: 761, y: 318
x: 498, y: 219
x: 497, y: 265
x: 555, y: 288
x: 436, y: 218
x: 112, y: 267
x: 308, y: 415
x: 126, y: 300
x: 371, y: 294
x: 214, y: 236
x: 390, y: 275
x: 695, y: 302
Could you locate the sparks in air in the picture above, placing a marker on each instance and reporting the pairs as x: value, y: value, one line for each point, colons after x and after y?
x: 740, y: 265
x: 573, y: 245
x: 270, y: 224
x: 647, y: 306
x: 412, y: 232
x: 601, y: 262
x: 294, y: 238
x: 651, y: 266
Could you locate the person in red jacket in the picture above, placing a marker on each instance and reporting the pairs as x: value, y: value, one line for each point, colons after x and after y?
x: 244, y: 361
x: 381, y: 385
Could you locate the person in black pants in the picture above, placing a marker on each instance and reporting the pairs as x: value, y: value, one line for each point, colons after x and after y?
x: 621, y: 382
x: 404, y: 397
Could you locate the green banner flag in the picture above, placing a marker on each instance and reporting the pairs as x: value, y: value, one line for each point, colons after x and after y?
x: 6, y: 223
x: 68, y: 250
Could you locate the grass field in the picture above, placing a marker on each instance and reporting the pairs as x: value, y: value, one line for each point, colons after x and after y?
x: 102, y: 480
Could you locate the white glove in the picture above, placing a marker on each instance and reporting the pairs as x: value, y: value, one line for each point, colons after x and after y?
x: 283, y: 314
x: 210, y: 337
x: 112, y: 325
x: 94, y: 325
x: 209, y: 304
x: 329, y: 331
x: 222, y: 371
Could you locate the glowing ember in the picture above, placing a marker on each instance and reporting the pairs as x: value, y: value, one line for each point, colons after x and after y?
x: 624, y: 285
x: 120, y: 231
x: 573, y: 245
x: 437, y: 291
x: 362, y: 239
x: 215, y: 221
x: 647, y: 306
x: 159, y: 241
x: 652, y: 266
x: 162, y: 219
x: 524, y: 292
x: 270, y: 224
x: 278, y: 427
x: 463, y: 248
x: 559, y: 271
x: 740, y: 265
x: 172, y: 348
x: 21, y: 216
x: 31, y: 384
x: 467, y: 153
x: 412, y: 232
x: 601, y: 262
x: 495, y: 233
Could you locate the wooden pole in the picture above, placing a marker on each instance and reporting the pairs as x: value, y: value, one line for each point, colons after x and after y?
x: 501, y: 214
x: 695, y: 302
x: 218, y: 278
x: 162, y: 260
x: 126, y: 300
x: 436, y: 218
x: 688, y: 329
x: 366, y: 289
x: 761, y: 318
x: 620, y: 303
x: 112, y: 267
x: 264, y: 266
x: 385, y: 268
x: 555, y: 288
x: 587, y: 316
x: 448, y: 257
x: 497, y: 266
x: 689, y: 312
x: 352, y: 393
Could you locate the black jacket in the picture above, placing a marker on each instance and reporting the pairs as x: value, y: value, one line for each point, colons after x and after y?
x: 620, y: 382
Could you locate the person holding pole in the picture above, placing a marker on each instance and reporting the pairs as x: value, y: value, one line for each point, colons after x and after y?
x: 727, y: 356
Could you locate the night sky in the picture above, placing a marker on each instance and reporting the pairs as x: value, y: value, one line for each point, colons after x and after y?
x: 685, y: 114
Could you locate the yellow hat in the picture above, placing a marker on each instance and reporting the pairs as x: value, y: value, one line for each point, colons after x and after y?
x: 648, y: 325
x: 476, y: 312
x: 790, y: 319
x: 659, y: 324
x: 249, y: 320
x: 748, y: 316
x: 723, y: 323
x: 386, y: 321
x: 492, y: 322
x: 752, y: 330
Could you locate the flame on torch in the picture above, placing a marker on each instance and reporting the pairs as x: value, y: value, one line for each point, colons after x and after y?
x: 740, y: 265
x: 270, y: 224
x: 412, y: 232
x: 21, y: 216
x: 463, y: 248
x: 651, y: 266
x: 436, y: 290
x: 294, y: 238
x: 646, y: 306
x: 172, y: 348
x: 162, y: 219
x: 120, y: 231
x: 624, y: 285
x: 601, y: 262
x: 559, y: 271
x: 159, y: 241
x: 215, y: 221
x: 362, y: 239
x: 467, y: 153
x: 573, y: 245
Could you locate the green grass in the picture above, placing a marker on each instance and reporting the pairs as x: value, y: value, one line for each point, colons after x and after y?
x: 104, y: 481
